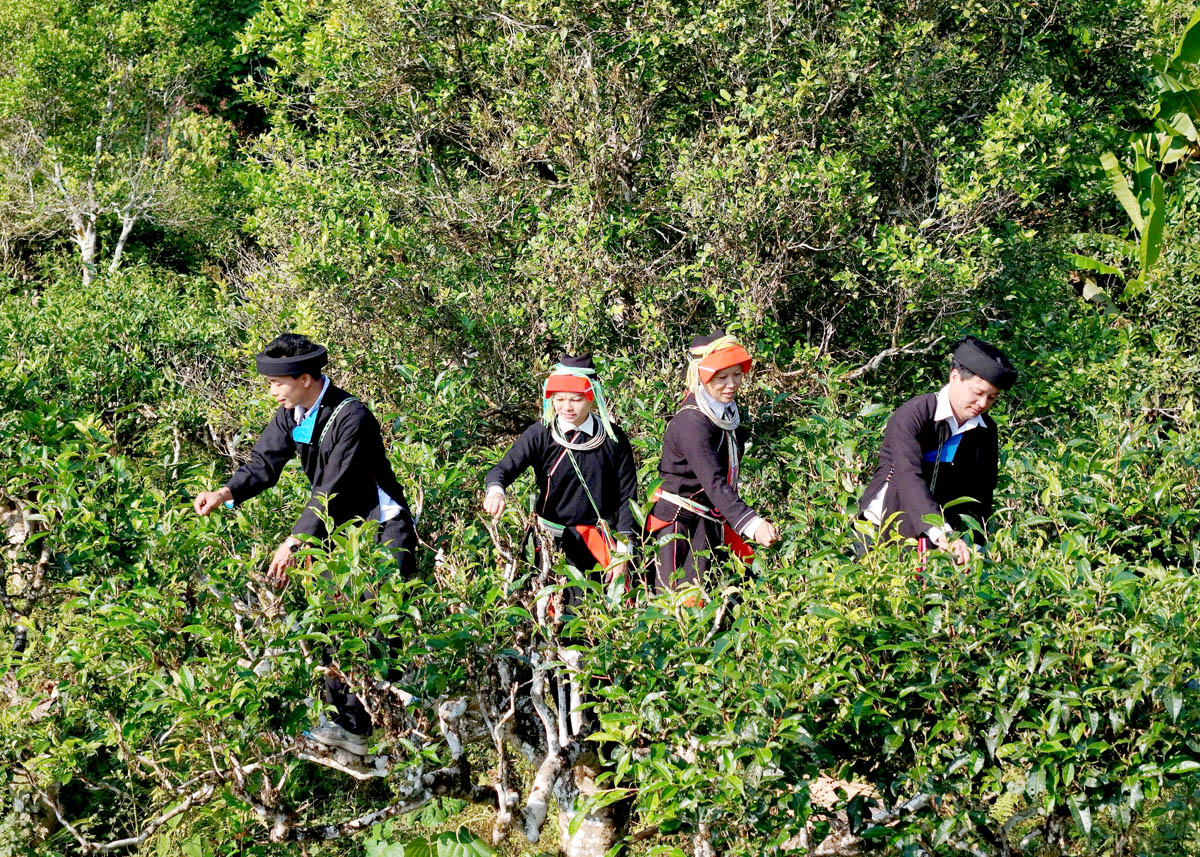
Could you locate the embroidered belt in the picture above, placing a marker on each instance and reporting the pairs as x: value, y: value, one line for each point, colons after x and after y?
x: 733, y: 540
x: 596, y: 539
x: 689, y: 504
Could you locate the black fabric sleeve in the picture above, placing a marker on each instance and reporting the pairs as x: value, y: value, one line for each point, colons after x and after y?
x: 912, y: 492
x: 273, y: 449
x: 989, y: 474
x: 698, y: 443
x: 626, y: 483
x: 348, y: 438
x: 522, y: 454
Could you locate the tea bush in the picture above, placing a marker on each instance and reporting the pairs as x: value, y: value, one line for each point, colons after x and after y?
x: 448, y: 197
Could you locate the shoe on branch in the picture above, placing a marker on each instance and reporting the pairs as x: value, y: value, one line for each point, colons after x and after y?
x: 332, y: 735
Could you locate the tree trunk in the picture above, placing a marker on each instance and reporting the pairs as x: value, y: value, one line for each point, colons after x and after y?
x: 85, y: 240
x: 127, y: 222
x: 595, y: 832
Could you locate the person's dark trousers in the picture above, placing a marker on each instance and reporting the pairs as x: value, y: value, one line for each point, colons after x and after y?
x: 685, y: 547
x: 399, y: 535
x: 581, y: 559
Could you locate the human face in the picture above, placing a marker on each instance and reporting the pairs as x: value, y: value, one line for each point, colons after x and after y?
x: 290, y: 392
x: 572, y: 407
x: 970, y: 397
x: 723, y: 386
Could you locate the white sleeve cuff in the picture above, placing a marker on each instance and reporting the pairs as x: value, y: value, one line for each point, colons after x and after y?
x: 495, y: 489
x: 623, y: 548
x: 936, y: 533
x: 747, y: 529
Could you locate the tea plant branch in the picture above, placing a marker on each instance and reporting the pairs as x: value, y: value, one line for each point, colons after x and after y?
x: 550, y: 771
x: 887, y: 353
x: 451, y: 781
x: 198, y: 797
x: 139, y: 760
x: 507, y: 792
x: 717, y: 619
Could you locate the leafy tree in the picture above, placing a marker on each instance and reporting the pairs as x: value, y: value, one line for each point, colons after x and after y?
x: 447, y: 196
x: 861, y: 178
x: 1167, y: 147
x: 100, y: 123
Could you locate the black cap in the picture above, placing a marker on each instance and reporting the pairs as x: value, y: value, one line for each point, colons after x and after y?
x: 985, y: 360
x: 309, y: 363
x: 699, y: 342
x: 578, y: 361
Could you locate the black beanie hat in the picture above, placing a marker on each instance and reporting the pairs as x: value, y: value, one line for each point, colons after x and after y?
x: 985, y: 360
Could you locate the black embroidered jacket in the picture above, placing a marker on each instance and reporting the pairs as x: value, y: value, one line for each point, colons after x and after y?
x: 348, y: 468
x: 907, y: 464
x: 695, y: 464
x: 608, y: 471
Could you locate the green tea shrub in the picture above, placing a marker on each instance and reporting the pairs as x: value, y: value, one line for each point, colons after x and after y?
x: 449, y: 198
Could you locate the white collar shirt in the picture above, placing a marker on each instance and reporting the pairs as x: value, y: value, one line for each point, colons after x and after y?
x: 301, y: 412
x: 942, y: 412
x: 945, y: 412
x: 588, y: 426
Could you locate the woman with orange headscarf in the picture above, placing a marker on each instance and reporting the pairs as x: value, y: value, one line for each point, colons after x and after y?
x: 697, y: 509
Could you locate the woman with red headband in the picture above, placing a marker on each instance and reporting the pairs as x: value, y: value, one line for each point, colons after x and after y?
x: 583, y: 464
x: 697, y: 510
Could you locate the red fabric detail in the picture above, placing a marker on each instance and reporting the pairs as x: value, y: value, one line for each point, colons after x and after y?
x: 569, y: 384
x: 597, y: 544
x: 737, y: 545
x: 735, y: 355
x: 653, y: 524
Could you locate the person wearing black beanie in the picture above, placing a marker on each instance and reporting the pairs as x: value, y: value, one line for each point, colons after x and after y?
x: 941, y: 447
x: 340, y: 447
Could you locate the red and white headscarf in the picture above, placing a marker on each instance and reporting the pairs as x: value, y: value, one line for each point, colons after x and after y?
x: 576, y: 375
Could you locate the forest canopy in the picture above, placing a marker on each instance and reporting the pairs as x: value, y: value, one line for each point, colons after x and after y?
x: 450, y: 196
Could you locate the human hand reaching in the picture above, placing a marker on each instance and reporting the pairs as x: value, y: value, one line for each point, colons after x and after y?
x: 960, y: 549
x: 494, y: 503
x: 281, y: 561
x: 206, y: 501
x: 765, y: 533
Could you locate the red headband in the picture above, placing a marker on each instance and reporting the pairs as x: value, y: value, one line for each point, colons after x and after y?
x: 735, y: 355
x: 569, y: 384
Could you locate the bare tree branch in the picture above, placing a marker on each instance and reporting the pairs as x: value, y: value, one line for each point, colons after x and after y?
x: 452, y: 781
x: 876, y: 361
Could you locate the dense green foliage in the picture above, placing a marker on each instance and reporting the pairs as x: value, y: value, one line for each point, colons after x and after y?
x: 450, y: 195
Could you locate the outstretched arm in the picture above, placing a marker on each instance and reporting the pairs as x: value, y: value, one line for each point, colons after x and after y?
x: 206, y: 501
x: 520, y: 455
x: 273, y: 449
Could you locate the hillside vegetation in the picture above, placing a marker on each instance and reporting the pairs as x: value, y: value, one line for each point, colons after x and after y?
x: 451, y: 195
